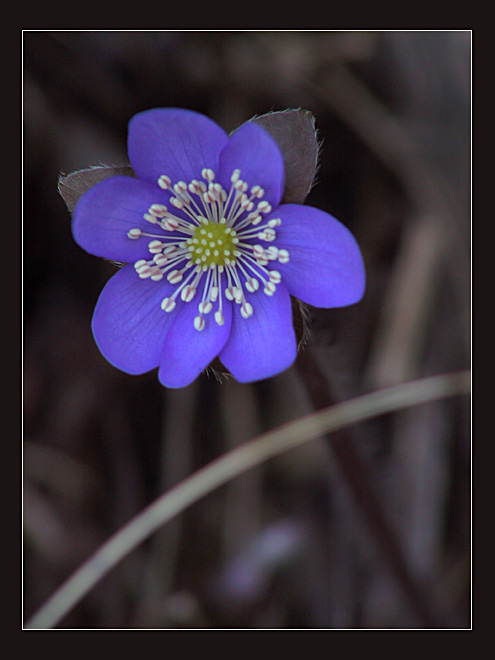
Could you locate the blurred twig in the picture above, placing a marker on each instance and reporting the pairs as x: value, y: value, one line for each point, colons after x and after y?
x: 231, y: 465
x: 429, y: 193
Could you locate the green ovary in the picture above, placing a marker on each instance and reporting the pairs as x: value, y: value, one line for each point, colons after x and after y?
x: 213, y: 244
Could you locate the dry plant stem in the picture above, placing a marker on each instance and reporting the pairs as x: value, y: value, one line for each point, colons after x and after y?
x: 399, y: 339
x: 431, y: 195
x: 176, y: 462
x: 225, y: 468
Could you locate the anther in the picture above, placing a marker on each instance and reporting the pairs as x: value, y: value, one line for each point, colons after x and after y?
x: 252, y: 284
x: 156, y: 277
x: 267, y: 235
x: 155, y: 246
x: 199, y: 323
x: 169, y: 224
x: 208, y: 174
x: 174, y: 276
x: 188, y: 293
x: 264, y: 207
x: 164, y: 182
x: 160, y: 259
x: 246, y: 310
x: 205, y: 307
x: 168, y: 304
x: 158, y: 210
x: 269, y: 289
x: 134, y: 233
x: 271, y: 253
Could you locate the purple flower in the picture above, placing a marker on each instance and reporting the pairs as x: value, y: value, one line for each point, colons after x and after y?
x: 211, y: 254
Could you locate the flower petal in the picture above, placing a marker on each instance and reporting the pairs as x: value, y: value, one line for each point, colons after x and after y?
x: 253, y: 151
x: 264, y: 344
x: 106, y: 212
x: 175, y: 142
x: 326, y: 268
x: 129, y: 324
x: 187, y: 352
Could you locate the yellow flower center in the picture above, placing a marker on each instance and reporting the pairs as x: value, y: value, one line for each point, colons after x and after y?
x: 213, y: 244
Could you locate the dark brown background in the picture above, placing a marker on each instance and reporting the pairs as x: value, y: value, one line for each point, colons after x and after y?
x: 287, y: 545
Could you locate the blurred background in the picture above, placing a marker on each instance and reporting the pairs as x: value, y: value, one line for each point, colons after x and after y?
x: 288, y: 544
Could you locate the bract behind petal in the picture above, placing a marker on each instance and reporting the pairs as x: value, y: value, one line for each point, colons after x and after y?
x: 175, y: 142
x: 295, y: 134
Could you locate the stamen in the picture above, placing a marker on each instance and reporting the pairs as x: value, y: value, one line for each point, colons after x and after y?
x: 213, y: 234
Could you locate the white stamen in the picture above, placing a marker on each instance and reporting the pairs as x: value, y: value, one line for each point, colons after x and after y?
x: 155, y: 246
x: 239, y: 295
x: 246, y: 310
x: 264, y: 207
x: 208, y: 174
x: 252, y: 284
x: 205, y: 307
x: 156, y: 277
x: 188, y: 293
x: 214, y: 234
x: 271, y: 253
x: 168, y: 304
x: 158, y: 210
x: 174, y: 276
x: 160, y: 259
x: 269, y: 289
x: 164, y: 182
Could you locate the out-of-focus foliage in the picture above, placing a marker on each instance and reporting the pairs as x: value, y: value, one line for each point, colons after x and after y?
x: 286, y: 545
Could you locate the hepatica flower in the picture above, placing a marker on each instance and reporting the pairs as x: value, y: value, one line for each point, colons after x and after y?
x: 212, y: 255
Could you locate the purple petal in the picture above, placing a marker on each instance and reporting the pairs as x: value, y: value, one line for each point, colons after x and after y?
x: 326, y: 268
x: 106, y: 212
x: 253, y: 151
x: 187, y: 352
x: 175, y: 142
x: 264, y: 344
x: 129, y: 325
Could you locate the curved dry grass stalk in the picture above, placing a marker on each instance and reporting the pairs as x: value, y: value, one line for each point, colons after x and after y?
x: 231, y: 465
